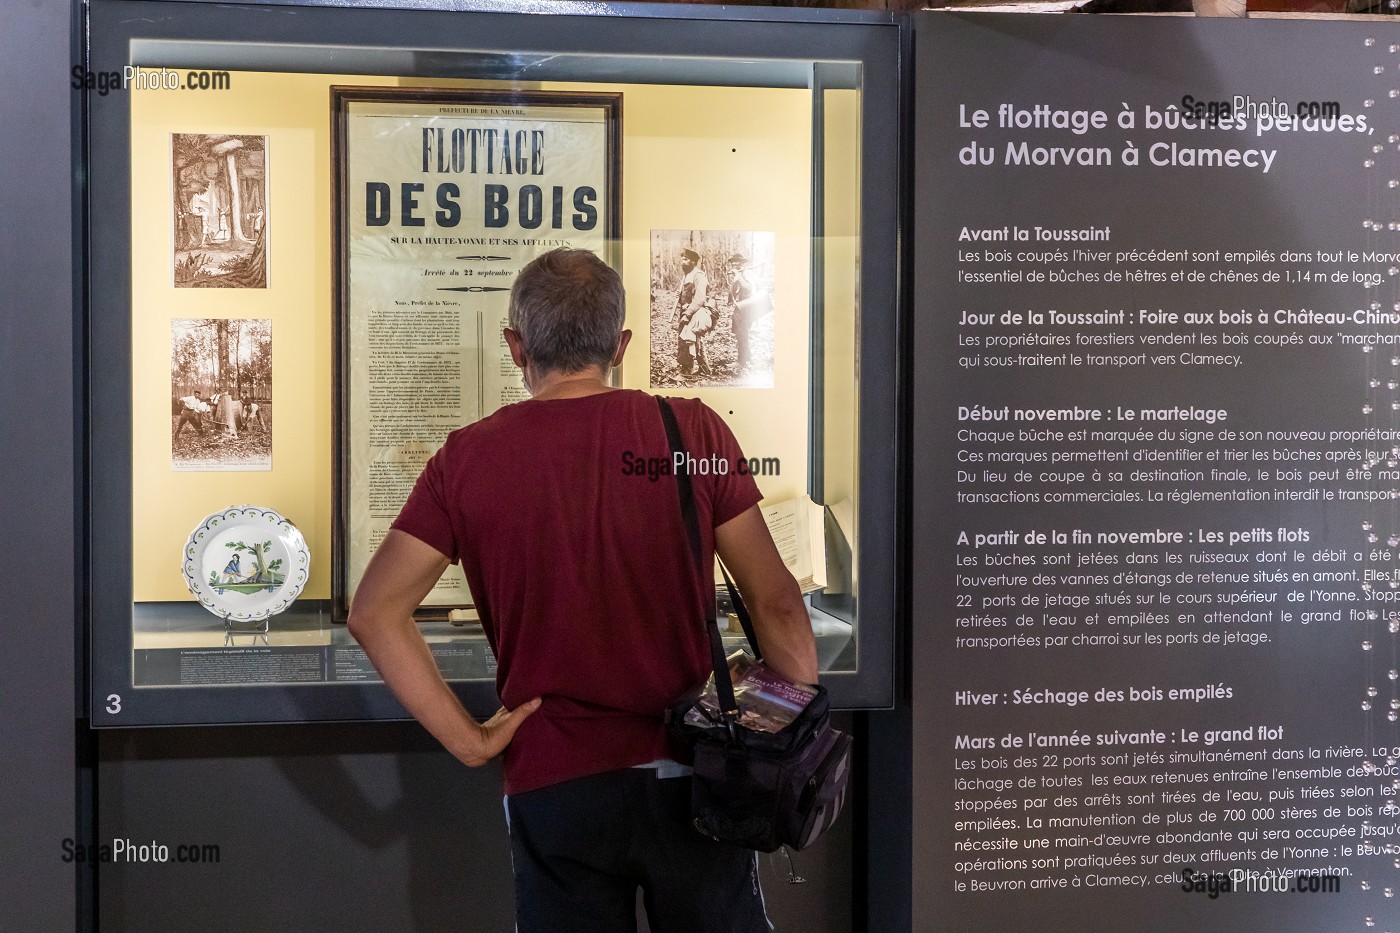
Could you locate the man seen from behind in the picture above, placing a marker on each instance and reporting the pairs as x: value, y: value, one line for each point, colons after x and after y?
x: 586, y: 588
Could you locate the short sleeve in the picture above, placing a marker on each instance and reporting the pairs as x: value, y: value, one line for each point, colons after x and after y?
x: 735, y: 490
x: 426, y: 515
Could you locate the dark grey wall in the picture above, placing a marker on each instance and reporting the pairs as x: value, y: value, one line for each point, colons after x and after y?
x: 317, y: 827
x: 37, y: 600
x: 345, y: 828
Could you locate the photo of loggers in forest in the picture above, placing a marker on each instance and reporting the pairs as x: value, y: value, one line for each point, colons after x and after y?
x: 220, y: 394
x: 711, y: 308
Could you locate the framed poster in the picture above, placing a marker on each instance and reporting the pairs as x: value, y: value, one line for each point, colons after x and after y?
x: 441, y: 196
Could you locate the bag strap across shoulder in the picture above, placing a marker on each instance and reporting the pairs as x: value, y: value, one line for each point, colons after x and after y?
x: 741, y: 610
x: 724, y: 688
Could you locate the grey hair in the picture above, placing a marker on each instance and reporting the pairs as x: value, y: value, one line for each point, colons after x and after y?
x: 568, y: 307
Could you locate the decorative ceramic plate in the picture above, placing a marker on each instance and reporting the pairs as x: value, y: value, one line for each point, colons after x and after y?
x: 246, y: 564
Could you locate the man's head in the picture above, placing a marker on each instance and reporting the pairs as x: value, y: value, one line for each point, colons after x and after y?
x: 737, y: 262
x: 567, y: 309
x: 689, y: 259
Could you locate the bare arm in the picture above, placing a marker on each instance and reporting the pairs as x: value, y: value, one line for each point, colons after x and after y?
x: 779, y: 615
x: 398, y: 577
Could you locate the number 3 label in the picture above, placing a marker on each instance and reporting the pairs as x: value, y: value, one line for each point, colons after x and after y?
x: 114, y: 703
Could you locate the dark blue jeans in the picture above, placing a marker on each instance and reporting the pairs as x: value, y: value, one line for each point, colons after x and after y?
x: 581, y: 849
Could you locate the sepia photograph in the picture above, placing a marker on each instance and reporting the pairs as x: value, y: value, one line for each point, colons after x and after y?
x: 220, y: 394
x: 219, y: 188
x: 711, y: 308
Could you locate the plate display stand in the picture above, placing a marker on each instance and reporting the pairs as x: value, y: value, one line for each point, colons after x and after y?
x: 255, y: 631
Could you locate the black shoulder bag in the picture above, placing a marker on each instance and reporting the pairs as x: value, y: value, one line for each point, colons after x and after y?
x: 758, y: 790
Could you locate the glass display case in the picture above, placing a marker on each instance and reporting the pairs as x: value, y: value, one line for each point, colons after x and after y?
x: 304, y: 227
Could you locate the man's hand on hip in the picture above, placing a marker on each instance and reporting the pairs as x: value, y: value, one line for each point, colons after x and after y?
x: 495, y: 734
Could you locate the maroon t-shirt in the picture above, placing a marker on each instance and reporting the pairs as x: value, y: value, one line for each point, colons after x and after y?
x: 565, y: 517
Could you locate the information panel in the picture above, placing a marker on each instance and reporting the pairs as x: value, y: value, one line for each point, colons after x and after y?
x: 1157, y: 437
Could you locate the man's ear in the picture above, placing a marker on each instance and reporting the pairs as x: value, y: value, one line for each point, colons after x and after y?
x: 517, y: 349
x: 623, y: 339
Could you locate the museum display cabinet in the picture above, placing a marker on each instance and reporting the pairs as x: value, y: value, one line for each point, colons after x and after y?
x: 304, y: 225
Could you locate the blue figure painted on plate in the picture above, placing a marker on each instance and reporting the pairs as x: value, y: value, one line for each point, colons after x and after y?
x: 232, y: 573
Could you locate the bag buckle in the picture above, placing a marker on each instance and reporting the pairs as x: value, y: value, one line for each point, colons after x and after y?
x: 731, y: 723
